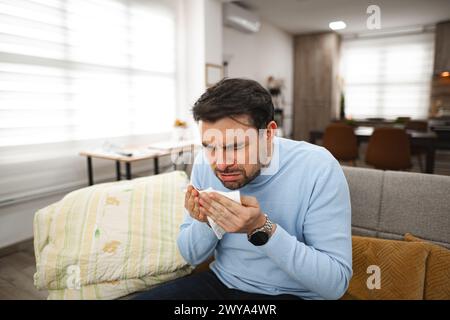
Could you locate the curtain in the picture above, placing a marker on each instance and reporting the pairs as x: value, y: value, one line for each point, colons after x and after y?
x: 388, y: 77
x: 84, y: 69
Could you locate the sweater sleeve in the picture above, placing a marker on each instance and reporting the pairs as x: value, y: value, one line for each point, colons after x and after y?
x: 196, y: 240
x: 323, y: 263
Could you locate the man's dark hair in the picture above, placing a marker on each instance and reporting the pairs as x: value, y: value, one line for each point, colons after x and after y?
x: 234, y: 97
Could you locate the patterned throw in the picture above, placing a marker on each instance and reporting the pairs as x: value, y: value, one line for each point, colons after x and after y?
x: 112, y: 239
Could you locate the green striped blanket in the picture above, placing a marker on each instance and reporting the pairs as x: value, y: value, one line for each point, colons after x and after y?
x: 112, y: 239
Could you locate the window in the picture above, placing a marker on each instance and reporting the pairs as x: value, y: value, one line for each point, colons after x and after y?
x: 83, y: 69
x: 388, y: 77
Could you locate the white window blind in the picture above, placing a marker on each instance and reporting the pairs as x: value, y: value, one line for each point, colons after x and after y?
x: 82, y: 69
x: 388, y: 77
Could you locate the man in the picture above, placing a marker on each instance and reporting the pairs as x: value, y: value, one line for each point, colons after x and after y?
x: 290, y: 237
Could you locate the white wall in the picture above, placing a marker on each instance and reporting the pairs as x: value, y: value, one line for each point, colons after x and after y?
x: 191, y: 52
x: 213, y: 32
x: 260, y: 55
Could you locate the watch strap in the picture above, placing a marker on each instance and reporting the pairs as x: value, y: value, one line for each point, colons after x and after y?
x: 267, y: 227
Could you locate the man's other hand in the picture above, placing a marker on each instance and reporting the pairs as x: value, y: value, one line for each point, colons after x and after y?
x: 192, y: 205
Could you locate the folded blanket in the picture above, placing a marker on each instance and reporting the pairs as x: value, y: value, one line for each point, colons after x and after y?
x: 112, y: 239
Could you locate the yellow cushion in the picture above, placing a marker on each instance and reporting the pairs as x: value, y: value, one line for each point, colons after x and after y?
x: 402, y: 269
x: 437, y: 276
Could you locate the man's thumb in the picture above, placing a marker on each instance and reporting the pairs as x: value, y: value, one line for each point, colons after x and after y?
x: 249, y: 201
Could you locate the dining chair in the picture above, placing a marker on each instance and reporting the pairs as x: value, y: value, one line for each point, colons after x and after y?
x: 419, y: 152
x: 340, y: 140
x: 389, y: 149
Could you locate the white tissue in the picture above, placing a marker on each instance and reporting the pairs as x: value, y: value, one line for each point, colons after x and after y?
x: 233, y: 195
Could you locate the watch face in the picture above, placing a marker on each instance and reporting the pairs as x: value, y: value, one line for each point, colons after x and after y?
x: 259, y: 238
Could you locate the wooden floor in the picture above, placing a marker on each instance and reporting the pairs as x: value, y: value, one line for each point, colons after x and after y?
x: 16, y: 276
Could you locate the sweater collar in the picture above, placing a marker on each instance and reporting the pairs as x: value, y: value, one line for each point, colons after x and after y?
x: 270, y: 170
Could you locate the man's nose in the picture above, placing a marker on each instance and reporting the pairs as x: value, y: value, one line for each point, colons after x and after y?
x: 223, y: 166
x: 224, y: 162
x: 225, y: 158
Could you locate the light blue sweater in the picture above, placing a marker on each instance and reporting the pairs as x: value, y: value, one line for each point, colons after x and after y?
x: 303, y: 191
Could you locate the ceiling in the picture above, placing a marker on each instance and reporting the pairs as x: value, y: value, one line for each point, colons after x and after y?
x: 304, y: 16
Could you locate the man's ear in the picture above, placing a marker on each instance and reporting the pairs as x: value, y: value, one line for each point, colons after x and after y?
x: 271, y: 128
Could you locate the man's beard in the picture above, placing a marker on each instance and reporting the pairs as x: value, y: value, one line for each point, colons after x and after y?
x: 233, y: 185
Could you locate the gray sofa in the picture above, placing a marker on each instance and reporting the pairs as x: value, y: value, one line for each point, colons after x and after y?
x: 388, y: 204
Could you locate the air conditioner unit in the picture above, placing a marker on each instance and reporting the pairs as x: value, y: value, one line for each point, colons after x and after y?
x: 239, y: 18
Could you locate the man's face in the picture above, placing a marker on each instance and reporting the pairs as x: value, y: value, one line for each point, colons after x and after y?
x: 233, y: 148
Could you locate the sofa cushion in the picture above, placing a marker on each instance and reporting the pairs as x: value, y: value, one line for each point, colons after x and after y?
x: 365, y: 187
x: 416, y: 203
x: 437, y: 276
x: 401, y: 265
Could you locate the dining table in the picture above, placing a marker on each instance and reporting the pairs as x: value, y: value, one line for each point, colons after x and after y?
x: 426, y: 140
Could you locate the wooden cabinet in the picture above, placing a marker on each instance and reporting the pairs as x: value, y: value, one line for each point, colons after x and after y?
x: 440, y: 86
x: 442, y: 48
x: 316, y: 90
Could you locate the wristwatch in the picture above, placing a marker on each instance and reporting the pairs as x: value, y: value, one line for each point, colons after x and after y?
x: 260, y: 236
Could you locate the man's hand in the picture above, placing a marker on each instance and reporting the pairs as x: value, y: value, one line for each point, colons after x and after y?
x: 192, y: 206
x: 230, y: 215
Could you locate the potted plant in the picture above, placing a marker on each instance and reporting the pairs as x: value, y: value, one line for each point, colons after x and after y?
x: 180, y: 130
